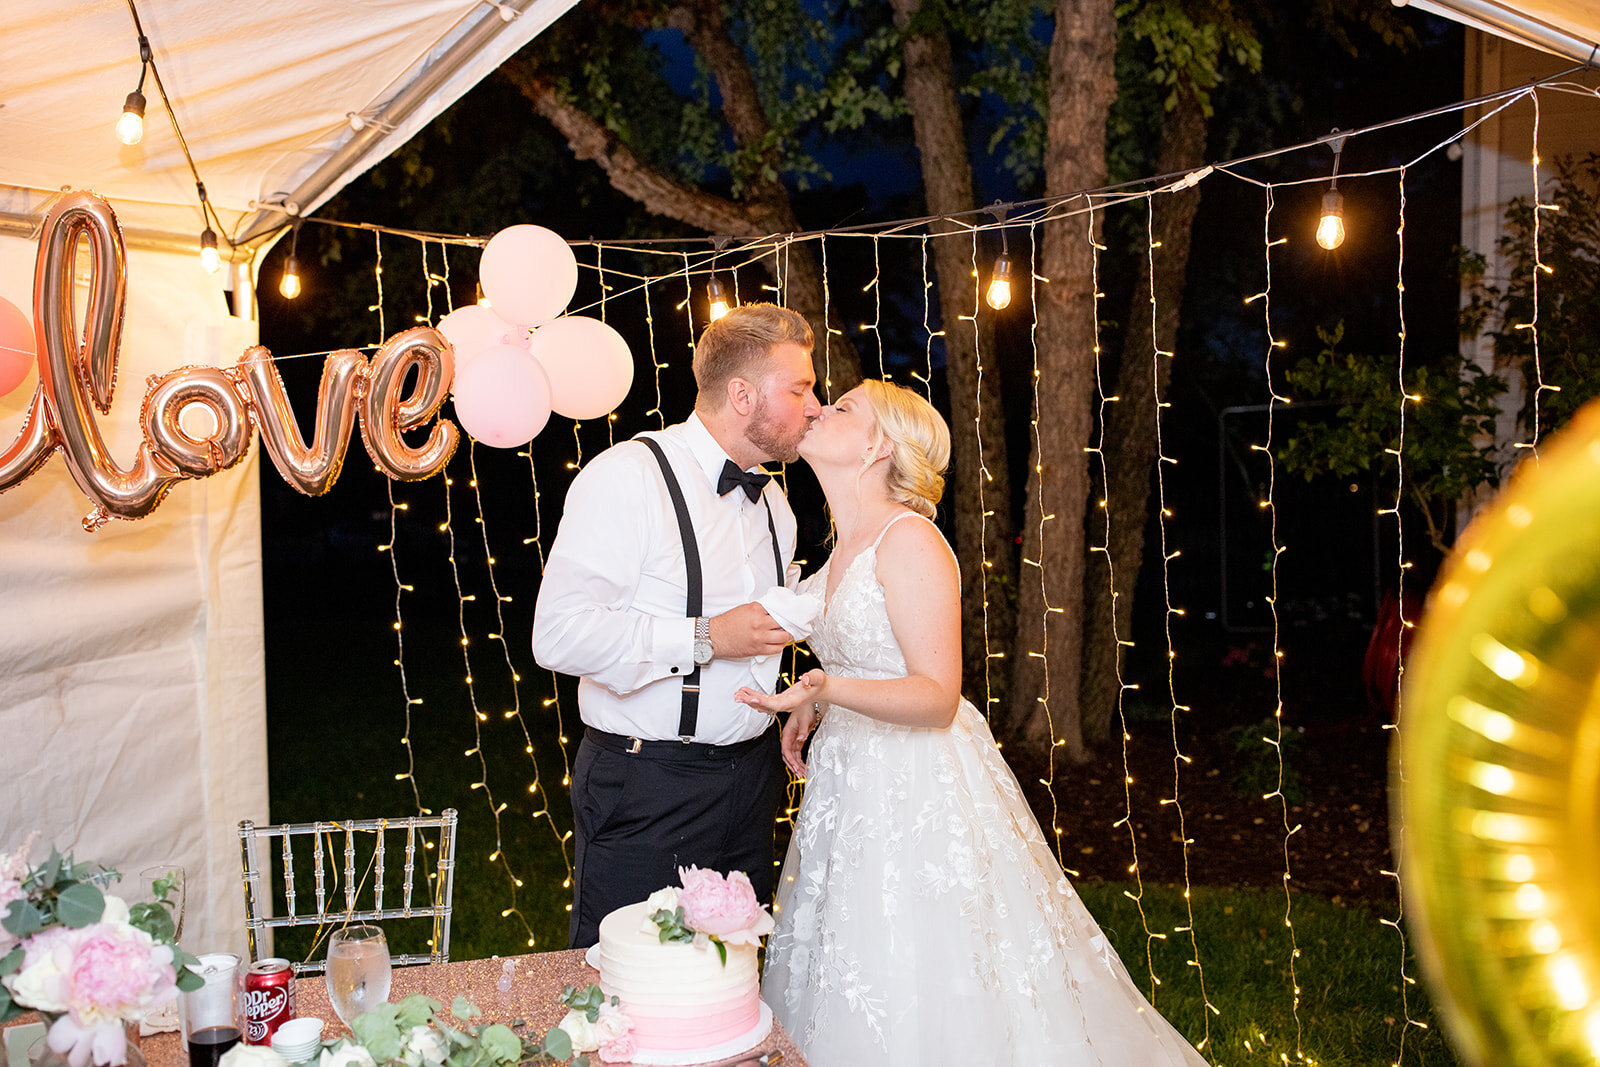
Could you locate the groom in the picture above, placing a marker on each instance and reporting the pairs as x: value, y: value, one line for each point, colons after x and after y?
x: 648, y: 596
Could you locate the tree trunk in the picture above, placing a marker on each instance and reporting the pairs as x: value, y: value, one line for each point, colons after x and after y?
x: 981, y: 482
x: 764, y: 212
x: 1130, y: 429
x: 1044, y: 696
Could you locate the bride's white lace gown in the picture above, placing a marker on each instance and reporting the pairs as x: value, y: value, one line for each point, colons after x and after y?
x: 922, y: 918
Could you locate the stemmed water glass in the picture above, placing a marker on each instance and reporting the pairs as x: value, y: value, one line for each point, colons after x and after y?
x: 166, y: 881
x: 358, y: 970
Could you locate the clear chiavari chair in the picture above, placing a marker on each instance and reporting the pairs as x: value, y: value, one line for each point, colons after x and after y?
x: 324, y: 874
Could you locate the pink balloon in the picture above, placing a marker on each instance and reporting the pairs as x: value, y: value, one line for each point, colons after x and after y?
x: 589, y: 365
x: 502, y: 397
x: 528, y: 273
x: 16, y: 346
x: 474, y: 329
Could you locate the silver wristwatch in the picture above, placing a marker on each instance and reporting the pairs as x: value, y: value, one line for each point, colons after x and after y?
x: 702, y: 641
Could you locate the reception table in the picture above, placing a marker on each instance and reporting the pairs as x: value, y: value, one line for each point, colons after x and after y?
x: 534, y: 997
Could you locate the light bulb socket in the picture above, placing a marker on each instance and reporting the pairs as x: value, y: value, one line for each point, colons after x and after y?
x: 1333, y: 203
x: 1002, y: 268
x: 715, y: 292
x: 135, y: 104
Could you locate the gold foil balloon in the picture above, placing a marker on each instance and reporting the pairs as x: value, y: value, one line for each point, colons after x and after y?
x: 388, y: 410
x: 1496, y: 777
x: 74, y: 376
x: 208, y: 387
x: 312, y: 468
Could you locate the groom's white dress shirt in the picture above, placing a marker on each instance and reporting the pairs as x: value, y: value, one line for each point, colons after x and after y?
x: 611, y: 603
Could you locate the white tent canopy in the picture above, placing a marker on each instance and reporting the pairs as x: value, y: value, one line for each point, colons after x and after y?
x: 1566, y: 28
x: 131, y: 690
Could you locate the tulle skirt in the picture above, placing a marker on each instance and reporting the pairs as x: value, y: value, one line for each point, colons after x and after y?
x: 923, y: 919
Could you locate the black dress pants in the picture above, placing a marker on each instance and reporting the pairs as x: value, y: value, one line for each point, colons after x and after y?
x: 640, y: 816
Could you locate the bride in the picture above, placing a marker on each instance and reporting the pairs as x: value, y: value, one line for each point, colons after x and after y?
x: 921, y: 916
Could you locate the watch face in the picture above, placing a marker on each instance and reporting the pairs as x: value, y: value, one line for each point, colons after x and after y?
x: 702, y: 652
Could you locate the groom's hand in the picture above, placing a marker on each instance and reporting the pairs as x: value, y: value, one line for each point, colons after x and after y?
x: 747, y: 631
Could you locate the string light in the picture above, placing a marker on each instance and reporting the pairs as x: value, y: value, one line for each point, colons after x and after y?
x: 1330, y: 227
x: 1406, y: 981
x: 130, y: 126
x: 210, y: 256
x: 984, y: 478
x: 1163, y: 513
x: 289, y: 285
x: 1270, y: 504
x: 716, y: 299
x: 999, y: 294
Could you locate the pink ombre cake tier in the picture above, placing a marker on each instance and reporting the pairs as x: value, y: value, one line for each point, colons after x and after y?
x: 678, y: 996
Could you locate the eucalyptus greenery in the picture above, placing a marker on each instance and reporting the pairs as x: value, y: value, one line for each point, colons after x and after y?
x: 386, y: 1029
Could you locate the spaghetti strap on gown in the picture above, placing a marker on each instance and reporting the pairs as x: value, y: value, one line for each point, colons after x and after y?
x: 922, y: 918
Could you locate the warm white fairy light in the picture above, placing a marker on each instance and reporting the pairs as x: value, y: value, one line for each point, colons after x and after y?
x: 479, y: 717
x: 554, y: 700
x: 828, y: 332
x: 536, y: 787
x: 1123, y: 687
x: 1163, y: 513
x: 1539, y: 267
x: 1049, y: 782
x: 1401, y: 634
x: 1270, y: 504
x: 984, y: 478
x: 927, y: 328
x: 874, y: 327
x: 656, y: 366
x: 400, y: 589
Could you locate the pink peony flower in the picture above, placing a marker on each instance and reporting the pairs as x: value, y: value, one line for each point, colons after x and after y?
x: 619, y: 1049
x: 725, y: 908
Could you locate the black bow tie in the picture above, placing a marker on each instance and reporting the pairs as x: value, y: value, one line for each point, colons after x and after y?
x: 734, y: 478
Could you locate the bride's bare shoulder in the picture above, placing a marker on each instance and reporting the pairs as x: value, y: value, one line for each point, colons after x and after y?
x: 913, y: 546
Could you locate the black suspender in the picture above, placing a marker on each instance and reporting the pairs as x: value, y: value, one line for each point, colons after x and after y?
x: 689, y: 716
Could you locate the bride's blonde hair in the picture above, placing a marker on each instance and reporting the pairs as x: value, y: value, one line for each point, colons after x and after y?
x: 919, y: 444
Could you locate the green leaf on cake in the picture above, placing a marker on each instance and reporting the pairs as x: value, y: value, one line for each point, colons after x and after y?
x: 722, y: 950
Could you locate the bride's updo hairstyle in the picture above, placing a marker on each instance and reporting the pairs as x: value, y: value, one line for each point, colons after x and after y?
x: 920, y: 440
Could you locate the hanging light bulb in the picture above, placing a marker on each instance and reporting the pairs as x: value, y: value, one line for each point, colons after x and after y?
x: 130, y: 127
x: 1330, y: 228
x: 999, y: 294
x: 718, y: 299
x: 210, y: 257
x: 289, y: 284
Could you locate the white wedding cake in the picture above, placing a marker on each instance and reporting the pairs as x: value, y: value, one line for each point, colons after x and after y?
x: 690, y: 993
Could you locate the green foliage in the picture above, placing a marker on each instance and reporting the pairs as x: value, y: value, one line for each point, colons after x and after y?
x: 1568, y: 322
x: 1191, y: 43
x: 388, y: 1032
x: 1449, y: 425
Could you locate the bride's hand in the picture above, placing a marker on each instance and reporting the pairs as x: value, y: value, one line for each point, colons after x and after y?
x: 808, y: 690
x: 793, y: 739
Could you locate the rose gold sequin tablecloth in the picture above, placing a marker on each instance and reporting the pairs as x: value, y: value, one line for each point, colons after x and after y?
x: 534, y: 997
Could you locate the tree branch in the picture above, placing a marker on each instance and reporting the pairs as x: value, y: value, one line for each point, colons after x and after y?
x: 630, y: 175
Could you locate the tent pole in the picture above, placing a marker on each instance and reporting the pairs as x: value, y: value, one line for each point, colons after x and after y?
x: 1495, y: 18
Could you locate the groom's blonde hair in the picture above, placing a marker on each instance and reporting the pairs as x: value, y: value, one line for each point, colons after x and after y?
x: 738, y: 346
x: 919, y: 444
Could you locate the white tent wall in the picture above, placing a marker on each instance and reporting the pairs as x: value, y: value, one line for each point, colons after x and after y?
x: 1497, y: 167
x: 132, y: 701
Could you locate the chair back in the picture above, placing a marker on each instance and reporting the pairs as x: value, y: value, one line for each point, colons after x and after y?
x: 331, y: 851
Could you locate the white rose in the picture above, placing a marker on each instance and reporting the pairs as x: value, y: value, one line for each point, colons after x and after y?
x: 347, y: 1054
x: 242, y: 1055
x: 424, y: 1044
x: 579, y: 1029
x: 612, y: 1024
x: 116, y: 911
x: 662, y: 898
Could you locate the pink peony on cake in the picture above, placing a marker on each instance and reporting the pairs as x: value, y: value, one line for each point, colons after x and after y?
x: 683, y: 965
